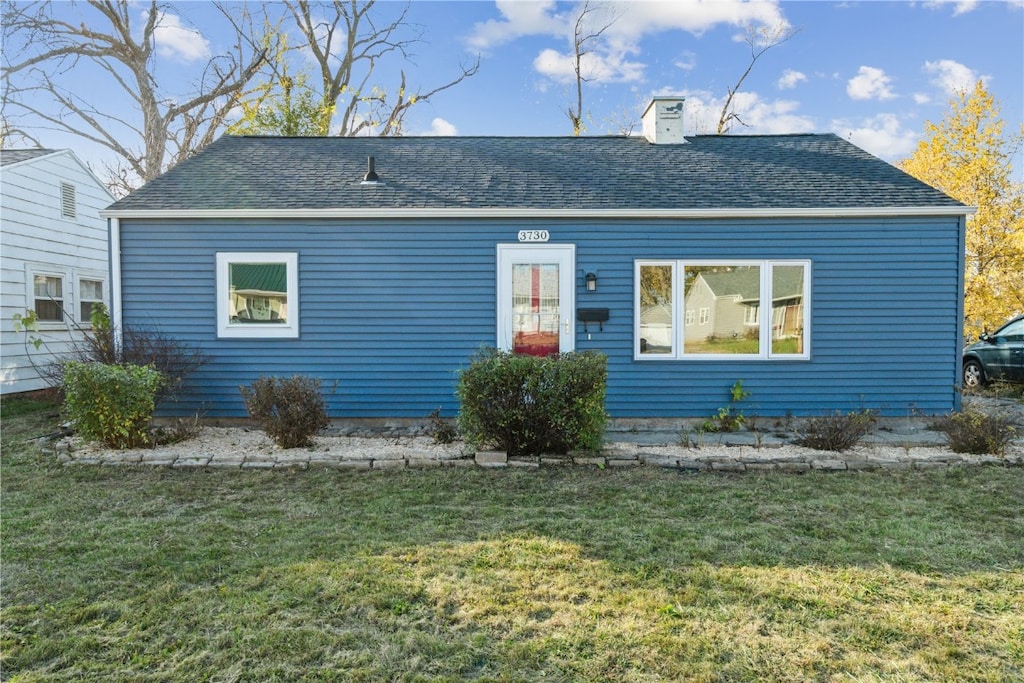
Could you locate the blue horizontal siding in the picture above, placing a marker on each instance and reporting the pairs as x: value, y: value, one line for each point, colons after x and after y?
x: 392, y: 310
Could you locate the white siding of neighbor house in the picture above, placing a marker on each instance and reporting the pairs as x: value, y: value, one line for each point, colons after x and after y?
x: 36, y: 237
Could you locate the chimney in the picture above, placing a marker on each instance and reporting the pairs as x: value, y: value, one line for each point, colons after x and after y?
x: 663, y: 120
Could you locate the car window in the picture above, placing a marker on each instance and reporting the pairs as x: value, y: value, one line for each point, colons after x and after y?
x: 1012, y: 332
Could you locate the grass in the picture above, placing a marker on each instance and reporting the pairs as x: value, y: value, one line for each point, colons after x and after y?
x: 561, y: 574
x: 740, y: 345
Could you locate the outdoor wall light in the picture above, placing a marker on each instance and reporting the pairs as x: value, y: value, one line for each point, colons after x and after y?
x: 591, y: 282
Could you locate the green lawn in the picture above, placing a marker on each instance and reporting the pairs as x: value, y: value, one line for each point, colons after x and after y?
x: 149, y: 574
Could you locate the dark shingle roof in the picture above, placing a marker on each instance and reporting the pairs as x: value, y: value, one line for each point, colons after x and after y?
x: 710, y: 172
x: 14, y: 156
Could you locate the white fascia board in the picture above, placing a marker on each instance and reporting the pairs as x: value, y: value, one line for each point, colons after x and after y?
x: 521, y: 213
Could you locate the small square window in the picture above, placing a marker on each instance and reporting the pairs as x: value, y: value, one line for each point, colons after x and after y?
x: 257, y: 295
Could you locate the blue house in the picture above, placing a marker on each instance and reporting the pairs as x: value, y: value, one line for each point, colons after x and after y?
x: 385, y: 263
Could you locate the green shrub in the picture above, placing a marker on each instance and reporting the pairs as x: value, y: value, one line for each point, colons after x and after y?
x: 973, y: 431
x: 836, y: 431
x: 528, y: 405
x: 112, y: 404
x: 290, y: 410
x: 99, y: 341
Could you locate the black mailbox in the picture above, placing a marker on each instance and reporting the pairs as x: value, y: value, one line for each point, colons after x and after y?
x: 592, y: 315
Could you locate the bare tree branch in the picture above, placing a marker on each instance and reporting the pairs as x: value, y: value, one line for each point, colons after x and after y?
x: 348, y: 45
x: 581, y: 39
x: 760, y: 41
x: 42, y: 49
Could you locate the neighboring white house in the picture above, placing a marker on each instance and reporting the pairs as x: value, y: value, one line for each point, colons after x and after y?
x: 53, y: 257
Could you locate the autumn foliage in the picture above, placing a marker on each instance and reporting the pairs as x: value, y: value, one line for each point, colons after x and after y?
x: 968, y: 157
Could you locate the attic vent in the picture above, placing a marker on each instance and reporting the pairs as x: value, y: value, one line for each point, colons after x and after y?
x: 67, y: 200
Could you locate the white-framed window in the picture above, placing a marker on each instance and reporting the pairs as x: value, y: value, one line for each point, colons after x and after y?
x: 258, y: 294
x: 48, y: 297
x: 726, y: 299
x: 63, y: 297
x: 90, y: 293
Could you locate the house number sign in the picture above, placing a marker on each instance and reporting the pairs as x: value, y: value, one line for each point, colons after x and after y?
x: 534, y: 235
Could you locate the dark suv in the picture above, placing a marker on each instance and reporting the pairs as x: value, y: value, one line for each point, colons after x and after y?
x: 998, y: 356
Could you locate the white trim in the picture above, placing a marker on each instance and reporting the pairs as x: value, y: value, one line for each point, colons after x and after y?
x: 522, y: 213
x: 286, y: 330
x: 564, y: 255
x: 765, y: 353
x: 48, y: 270
x: 116, y: 315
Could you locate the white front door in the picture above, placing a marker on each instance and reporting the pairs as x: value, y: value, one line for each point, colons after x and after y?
x: 536, y: 298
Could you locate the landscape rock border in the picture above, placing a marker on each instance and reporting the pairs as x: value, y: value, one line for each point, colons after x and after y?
x: 896, y: 444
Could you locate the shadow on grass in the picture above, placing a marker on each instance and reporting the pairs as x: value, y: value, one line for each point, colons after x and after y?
x: 134, y: 574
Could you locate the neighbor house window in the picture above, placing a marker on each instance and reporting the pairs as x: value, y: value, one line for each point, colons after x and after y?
x: 727, y: 299
x: 257, y: 294
x: 48, y: 297
x: 90, y: 294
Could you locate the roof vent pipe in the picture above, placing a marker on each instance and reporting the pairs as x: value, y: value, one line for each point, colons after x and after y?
x: 371, y: 175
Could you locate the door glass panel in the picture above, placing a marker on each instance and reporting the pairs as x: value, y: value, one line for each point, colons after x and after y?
x: 535, y: 308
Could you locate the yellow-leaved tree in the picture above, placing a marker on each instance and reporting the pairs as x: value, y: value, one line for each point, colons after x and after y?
x: 968, y: 157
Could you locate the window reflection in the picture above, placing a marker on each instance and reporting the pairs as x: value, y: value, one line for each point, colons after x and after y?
x: 788, y: 309
x: 723, y: 303
x: 258, y: 293
x: 656, y: 325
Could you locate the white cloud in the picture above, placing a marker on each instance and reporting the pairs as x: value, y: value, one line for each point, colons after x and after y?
x: 440, y: 127
x: 176, y: 41
x: 882, y: 135
x: 952, y: 77
x: 687, y: 61
x: 959, y: 6
x: 790, y: 79
x: 606, y: 68
x: 921, y: 98
x: 703, y: 109
x: 870, y: 83
x: 518, y: 19
x: 613, y: 57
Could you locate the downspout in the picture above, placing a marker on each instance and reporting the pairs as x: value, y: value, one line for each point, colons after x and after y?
x: 114, y: 247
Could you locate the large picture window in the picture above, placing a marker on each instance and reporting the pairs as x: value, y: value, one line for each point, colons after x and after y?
x: 257, y: 295
x: 723, y: 308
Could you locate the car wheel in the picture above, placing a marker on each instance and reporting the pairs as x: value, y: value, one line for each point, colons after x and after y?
x: 974, y: 374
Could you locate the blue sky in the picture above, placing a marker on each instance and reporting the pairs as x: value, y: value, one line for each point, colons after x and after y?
x: 871, y: 72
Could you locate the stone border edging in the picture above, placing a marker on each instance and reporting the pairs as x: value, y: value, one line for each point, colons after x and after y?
x: 745, y: 459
